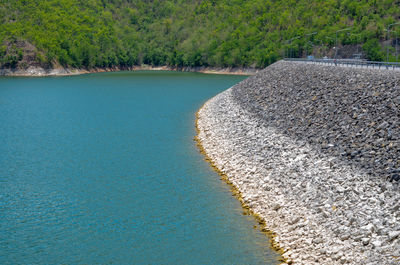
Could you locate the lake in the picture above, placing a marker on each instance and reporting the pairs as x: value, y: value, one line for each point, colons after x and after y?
x: 102, y: 169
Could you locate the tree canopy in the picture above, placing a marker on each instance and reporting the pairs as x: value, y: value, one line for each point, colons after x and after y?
x: 124, y: 33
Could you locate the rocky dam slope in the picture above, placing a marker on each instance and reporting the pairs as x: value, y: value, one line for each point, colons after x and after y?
x: 315, y: 151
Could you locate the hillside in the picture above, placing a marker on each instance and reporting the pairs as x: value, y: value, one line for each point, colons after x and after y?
x: 123, y: 33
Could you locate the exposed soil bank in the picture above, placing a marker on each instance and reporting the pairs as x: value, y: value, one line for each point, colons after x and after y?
x: 314, y: 150
x: 38, y: 71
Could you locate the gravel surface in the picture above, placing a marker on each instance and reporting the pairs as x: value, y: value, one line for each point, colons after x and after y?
x: 315, y: 151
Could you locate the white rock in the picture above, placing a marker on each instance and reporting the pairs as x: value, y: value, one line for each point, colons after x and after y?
x: 393, y: 235
x: 288, y: 182
x: 365, y: 241
x: 376, y: 243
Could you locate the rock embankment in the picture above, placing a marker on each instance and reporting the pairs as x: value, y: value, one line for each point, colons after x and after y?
x: 315, y: 151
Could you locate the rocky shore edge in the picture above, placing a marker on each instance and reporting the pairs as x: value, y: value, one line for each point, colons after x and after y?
x: 321, y: 209
x: 39, y: 71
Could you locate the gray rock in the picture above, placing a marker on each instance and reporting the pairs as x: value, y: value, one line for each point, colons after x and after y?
x: 279, y: 136
x: 393, y: 235
x: 376, y: 243
x: 365, y: 241
x: 317, y: 240
x: 276, y: 206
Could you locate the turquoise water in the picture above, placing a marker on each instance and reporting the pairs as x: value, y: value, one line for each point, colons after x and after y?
x: 103, y: 169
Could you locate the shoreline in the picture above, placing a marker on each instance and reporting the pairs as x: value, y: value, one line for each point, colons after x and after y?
x: 41, y: 72
x: 323, y: 209
x: 238, y: 195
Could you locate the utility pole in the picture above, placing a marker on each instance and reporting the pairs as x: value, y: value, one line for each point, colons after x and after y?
x: 327, y: 49
x: 397, y: 43
x: 387, y: 39
x: 290, y: 48
x: 286, y: 51
x: 337, y: 48
x: 310, y: 34
x: 312, y: 47
x: 358, y: 41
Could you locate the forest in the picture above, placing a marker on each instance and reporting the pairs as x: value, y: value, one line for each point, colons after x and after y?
x: 220, y: 33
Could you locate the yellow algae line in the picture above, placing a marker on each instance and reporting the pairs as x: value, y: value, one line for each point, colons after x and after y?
x: 238, y: 195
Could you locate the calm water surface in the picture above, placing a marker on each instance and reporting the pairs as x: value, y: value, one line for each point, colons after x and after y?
x: 103, y: 169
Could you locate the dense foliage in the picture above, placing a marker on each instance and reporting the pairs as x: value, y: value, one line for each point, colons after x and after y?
x: 108, y: 33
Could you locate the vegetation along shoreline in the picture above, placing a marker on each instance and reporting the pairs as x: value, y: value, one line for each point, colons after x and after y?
x: 121, y: 33
x: 38, y: 71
